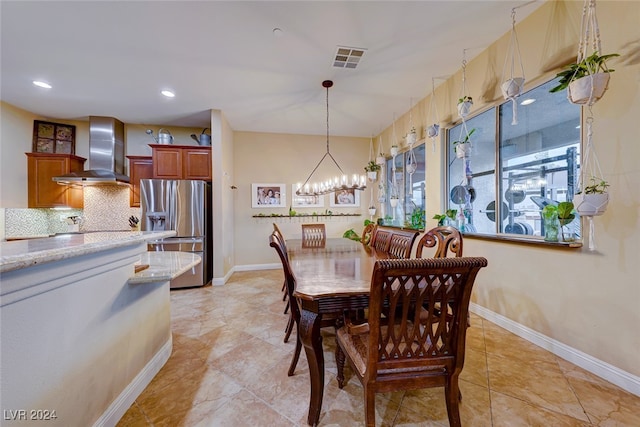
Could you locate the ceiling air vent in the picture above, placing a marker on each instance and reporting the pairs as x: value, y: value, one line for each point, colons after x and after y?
x: 348, y: 57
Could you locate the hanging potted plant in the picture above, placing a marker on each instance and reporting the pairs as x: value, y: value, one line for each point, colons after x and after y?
x: 432, y: 131
x: 412, y: 137
x: 587, y: 80
x: 593, y: 199
x: 394, y: 150
x: 463, y: 147
x: 372, y: 210
x: 372, y: 169
x: 464, y: 106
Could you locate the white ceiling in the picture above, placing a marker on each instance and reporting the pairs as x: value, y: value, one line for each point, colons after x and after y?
x: 112, y: 58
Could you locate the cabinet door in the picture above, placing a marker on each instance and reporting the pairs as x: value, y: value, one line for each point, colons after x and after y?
x: 43, y: 192
x: 140, y: 167
x: 167, y: 162
x: 197, y: 163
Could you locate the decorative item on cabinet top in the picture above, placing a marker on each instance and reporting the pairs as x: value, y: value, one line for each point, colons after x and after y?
x: 51, y: 137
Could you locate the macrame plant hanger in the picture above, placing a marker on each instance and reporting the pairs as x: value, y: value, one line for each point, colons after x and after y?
x: 589, y: 166
x: 382, y: 194
x: 513, y: 86
x: 589, y: 35
x: 412, y: 164
x: 371, y: 159
x: 434, y: 129
x: 466, y: 212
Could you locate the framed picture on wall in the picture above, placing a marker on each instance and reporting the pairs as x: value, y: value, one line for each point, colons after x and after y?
x: 305, y: 201
x: 268, y: 195
x: 345, y: 198
x: 49, y: 137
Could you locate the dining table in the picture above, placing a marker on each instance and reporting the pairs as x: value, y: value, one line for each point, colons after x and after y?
x: 330, y: 279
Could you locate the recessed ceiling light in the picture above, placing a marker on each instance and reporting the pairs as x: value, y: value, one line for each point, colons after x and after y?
x: 168, y: 93
x: 528, y: 101
x: 42, y: 84
x: 277, y: 32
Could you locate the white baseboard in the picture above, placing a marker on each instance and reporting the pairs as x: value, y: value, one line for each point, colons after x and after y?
x: 252, y: 267
x: 248, y: 267
x: 614, y: 375
x: 123, y: 402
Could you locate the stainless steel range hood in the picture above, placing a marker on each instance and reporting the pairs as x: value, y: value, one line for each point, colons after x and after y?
x: 106, y: 155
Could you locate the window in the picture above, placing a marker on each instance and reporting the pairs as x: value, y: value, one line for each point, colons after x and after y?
x: 408, y: 189
x: 537, y: 162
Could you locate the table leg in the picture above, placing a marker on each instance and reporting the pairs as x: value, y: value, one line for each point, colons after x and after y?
x: 309, y: 330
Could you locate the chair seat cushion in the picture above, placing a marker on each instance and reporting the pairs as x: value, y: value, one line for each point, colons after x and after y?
x: 356, y: 347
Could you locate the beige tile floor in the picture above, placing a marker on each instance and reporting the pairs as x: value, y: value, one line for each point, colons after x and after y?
x: 229, y: 368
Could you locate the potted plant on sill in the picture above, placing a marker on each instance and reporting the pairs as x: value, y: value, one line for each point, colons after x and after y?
x: 587, y: 80
x: 566, y: 214
x: 463, y: 148
x: 372, y: 169
x: 464, y: 105
x: 593, y: 199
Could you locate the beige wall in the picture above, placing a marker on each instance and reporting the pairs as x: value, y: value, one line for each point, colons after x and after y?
x: 586, y: 300
x: 289, y: 159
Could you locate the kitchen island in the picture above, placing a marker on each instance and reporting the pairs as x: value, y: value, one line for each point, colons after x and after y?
x: 82, y: 333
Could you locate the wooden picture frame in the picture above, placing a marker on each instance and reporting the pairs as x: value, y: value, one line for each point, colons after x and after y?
x: 49, y: 137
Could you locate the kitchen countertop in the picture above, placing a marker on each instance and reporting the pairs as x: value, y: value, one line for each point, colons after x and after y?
x: 164, y: 266
x: 19, y: 254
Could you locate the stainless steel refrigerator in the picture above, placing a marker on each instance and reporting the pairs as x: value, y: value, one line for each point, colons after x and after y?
x: 183, y: 206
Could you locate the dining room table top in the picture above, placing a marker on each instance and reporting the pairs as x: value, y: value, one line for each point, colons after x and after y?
x: 342, y: 267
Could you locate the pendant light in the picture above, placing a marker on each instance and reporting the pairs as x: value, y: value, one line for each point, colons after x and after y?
x: 330, y: 185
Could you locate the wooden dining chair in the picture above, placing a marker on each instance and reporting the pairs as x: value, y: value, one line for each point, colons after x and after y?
x: 290, y: 322
x: 445, y: 239
x: 405, y: 349
x: 294, y: 309
x: 313, y: 235
x: 397, y: 243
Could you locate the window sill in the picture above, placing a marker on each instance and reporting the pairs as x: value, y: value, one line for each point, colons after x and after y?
x: 524, y: 240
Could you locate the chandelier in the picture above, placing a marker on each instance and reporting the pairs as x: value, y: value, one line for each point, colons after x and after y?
x: 331, y: 185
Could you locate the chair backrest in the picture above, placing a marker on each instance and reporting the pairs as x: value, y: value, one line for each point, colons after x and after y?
x: 394, y: 241
x: 426, y: 339
x: 313, y: 235
x: 367, y: 234
x: 278, y: 233
x: 445, y: 239
x: 289, y: 278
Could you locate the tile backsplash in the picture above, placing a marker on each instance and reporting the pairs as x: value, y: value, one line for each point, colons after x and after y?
x: 106, y: 208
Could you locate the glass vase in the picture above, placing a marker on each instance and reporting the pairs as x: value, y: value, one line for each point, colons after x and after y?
x: 551, y: 226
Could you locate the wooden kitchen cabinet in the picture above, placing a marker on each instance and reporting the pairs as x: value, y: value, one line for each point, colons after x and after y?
x: 43, y: 192
x: 181, y: 161
x: 140, y: 167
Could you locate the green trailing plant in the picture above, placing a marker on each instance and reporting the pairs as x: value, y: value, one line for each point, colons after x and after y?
x: 418, y: 218
x: 596, y: 186
x: 592, y: 64
x: 372, y: 166
x: 466, y: 138
x: 351, y: 234
x: 450, y: 213
x: 465, y: 98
